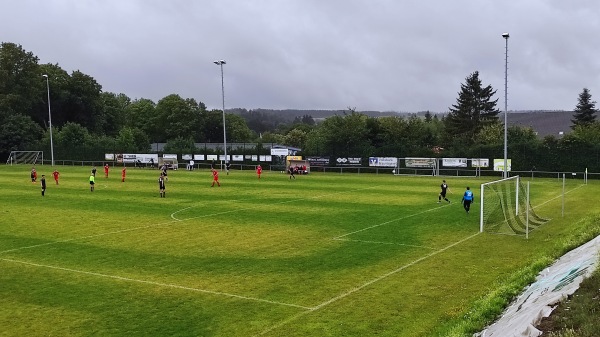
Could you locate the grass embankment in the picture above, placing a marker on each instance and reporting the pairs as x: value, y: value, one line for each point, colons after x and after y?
x: 487, y: 309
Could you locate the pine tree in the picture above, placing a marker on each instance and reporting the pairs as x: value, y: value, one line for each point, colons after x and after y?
x: 585, y: 111
x: 473, y: 110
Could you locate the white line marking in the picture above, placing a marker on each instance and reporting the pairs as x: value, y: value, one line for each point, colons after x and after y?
x: 558, y: 196
x: 181, y: 210
x: 385, y: 243
x: 121, y: 278
x: 366, y: 284
x: 393, y: 220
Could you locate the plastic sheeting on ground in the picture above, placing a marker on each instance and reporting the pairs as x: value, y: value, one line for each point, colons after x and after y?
x: 552, y: 285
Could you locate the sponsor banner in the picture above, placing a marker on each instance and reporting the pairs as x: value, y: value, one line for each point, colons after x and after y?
x: 348, y: 161
x: 499, y: 165
x: 420, y: 162
x: 454, y: 162
x: 109, y: 156
x: 128, y: 158
x: 186, y: 157
x: 198, y: 157
x: 169, y: 156
x: 288, y: 158
x: 383, y: 161
x: 119, y: 157
x: 481, y: 162
x: 211, y: 157
x: 254, y: 157
x: 237, y: 157
x: 222, y: 158
x: 146, y: 158
x: 248, y: 157
x: 279, y: 152
x: 318, y: 161
x: 265, y: 158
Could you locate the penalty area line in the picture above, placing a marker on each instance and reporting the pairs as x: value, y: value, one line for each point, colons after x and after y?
x: 390, y: 221
x: 167, y: 285
x: 384, y: 243
x: 364, y: 285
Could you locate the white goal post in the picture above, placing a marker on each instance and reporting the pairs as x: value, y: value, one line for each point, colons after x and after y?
x: 25, y: 157
x: 505, y: 208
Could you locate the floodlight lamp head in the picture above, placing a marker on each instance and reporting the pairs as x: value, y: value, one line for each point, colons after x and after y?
x: 221, y: 62
x: 505, y: 35
x: 44, y: 75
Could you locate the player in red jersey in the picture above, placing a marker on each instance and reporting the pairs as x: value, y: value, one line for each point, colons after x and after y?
x: 106, y: 170
x: 123, y: 172
x: 33, y: 175
x: 215, y: 174
x: 259, y: 171
x: 55, y: 174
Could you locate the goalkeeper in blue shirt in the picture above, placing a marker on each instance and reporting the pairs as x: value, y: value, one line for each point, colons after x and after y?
x: 467, y: 199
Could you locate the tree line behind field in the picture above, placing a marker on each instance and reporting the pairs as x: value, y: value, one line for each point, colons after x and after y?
x: 88, y: 122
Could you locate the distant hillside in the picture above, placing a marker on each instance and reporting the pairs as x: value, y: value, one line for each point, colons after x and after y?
x: 544, y: 122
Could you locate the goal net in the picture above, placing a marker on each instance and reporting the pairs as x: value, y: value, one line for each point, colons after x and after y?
x: 505, y: 208
x: 25, y: 157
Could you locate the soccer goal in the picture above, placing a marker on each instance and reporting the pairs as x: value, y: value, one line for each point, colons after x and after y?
x: 505, y: 208
x: 25, y: 157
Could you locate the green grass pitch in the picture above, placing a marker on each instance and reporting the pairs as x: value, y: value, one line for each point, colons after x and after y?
x: 323, y: 255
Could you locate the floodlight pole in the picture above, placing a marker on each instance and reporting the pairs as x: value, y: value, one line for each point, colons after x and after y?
x: 505, y: 173
x: 49, y: 119
x: 221, y: 63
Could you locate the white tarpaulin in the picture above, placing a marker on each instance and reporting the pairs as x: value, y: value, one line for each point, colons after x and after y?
x: 552, y: 285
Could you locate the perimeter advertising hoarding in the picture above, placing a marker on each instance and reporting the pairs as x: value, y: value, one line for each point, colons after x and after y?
x: 146, y: 158
x: 109, y: 156
x: 318, y: 161
x: 420, y: 162
x: 264, y: 158
x: 383, y: 161
x: 481, y: 162
x: 288, y: 158
x: 127, y: 158
x: 279, y: 152
x: 237, y: 157
x: 454, y: 162
x: 211, y: 157
x: 186, y: 157
x: 198, y: 157
x: 133, y: 158
x: 499, y: 165
x: 348, y: 161
x: 169, y: 156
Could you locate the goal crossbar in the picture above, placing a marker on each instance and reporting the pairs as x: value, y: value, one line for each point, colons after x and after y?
x: 505, y: 208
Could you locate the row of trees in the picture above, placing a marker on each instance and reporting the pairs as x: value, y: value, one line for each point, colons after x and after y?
x: 88, y: 122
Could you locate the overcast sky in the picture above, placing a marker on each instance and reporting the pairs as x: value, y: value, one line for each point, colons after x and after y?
x: 385, y: 55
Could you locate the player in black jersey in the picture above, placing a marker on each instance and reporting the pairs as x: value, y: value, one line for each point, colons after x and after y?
x: 161, y: 186
x: 445, y: 189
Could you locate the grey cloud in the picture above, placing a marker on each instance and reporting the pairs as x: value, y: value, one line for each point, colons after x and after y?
x: 372, y: 55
